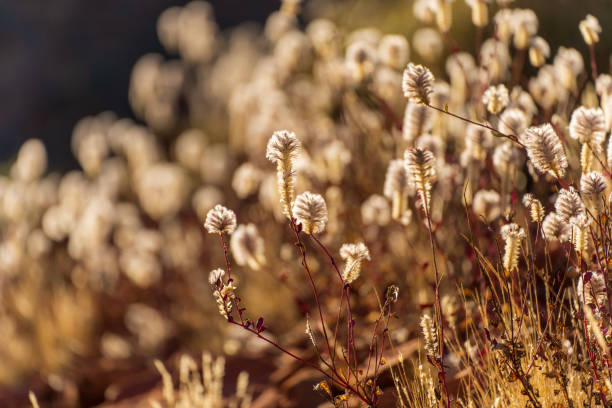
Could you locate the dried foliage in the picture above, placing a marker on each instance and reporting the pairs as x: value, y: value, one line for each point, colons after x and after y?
x: 470, y: 211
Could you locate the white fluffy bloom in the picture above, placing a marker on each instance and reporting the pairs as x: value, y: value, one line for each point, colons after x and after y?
x: 496, y: 98
x: 535, y: 207
x: 310, y: 210
x: 283, y: 148
x: 555, y: 229
x: 588, y: 125
x: 353, y: 255
x: 569, y: 204
x: 215, y: 276
x: 417, y: 83
x: 31, y: 161
x: 393, y: 51
x: 590, y: 29
x: 360, y: 60
x: 545, y: 150
x: 539, y: 50
x: 513, y: 236
x: 487, y: 204
x: 248, y: 247
x: 591, y: 290
x: 420, y: 165
x: 397, y: 188
x: 220, y: 220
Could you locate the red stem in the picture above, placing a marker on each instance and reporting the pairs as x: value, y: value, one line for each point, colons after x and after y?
x: 300, y: 245
x: 338, y: 380
x: 512, y: 138
x: 350, y: 325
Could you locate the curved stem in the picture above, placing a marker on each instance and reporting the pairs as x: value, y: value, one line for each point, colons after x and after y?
x: 300, y: 245
x: 512, y: 138
x: 347, y: 288
x: 337, y: 380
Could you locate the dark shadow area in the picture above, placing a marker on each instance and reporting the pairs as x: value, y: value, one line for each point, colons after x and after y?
x: 65, y: 59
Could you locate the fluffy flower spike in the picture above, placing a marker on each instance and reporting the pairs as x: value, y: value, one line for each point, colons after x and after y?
x: 496, y: 98
x: 590, y: 29
x: 219, y: 220
x: 555, y: 229
x: 512, y: 235
x: 417, y: 83
x: 353, y: 254
x: 535, y: 207
x: 248, y: 247
x: 420, y: 164
x: 397, y: 188
x: 283, y: 148
x: 310, y: 211
x: 545, y: 150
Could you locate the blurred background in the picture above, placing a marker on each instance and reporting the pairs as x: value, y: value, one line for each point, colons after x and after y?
x: 103, y: 270
x: 66, y: 59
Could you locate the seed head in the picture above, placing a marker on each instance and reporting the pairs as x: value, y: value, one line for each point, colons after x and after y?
x: 555, y: 229
x: 590, y: 29
x: 430, y: 335
x: 31, y: 161
x: 513, y: 235
x: 427, y: 43
x: 219, y: 220
x: 420, y: 165
x: 539, y: 50
x: 353, y: 255
x: 486, y: 204
x: 417, y: 83
x: 588, y: 125
x: 593, y: 185
x: 525, y: 24
x: 591, y: 290
x: 393, y: 51
x: 503, y: 24
x: 580, y: 234
x: 215, y: 276
x: 545, y: 150
x: 477, y: 141
x: 417, y: 121
x: 397, y: 187
x: 603, y: 85
x: 283, y: 148
x: 507, y: 158
x: 444, y: 14
x: 283, y: 145
x: 568, y: 64
x: 480, y: 12
x: 522, y: 100
x: 224, y: 297
x: 513, y: 121
x: 375, y: 210
x: 535, y: 207
x: 569, y: 204
x: 360, y: 60
x: 424, y: 11
x: 248, y: 247
x: 310, y: 210
x: 310, y: 333
x: 496, y: 98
